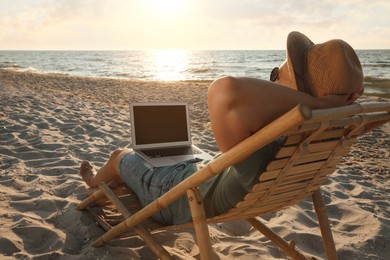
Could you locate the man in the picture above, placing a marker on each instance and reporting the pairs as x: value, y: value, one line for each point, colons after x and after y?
x: 317, y: 75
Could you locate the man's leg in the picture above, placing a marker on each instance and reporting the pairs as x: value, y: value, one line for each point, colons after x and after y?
x: 109, y: 172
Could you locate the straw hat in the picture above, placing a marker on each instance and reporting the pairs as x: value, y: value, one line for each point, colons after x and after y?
x: 331, y: 67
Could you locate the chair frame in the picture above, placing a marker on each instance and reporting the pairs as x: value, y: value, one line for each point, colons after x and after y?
x: 311, y: 124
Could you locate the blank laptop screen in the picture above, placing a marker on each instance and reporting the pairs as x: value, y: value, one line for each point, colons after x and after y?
x: 160, y: 124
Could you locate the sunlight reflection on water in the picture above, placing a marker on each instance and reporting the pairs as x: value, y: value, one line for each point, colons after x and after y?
x: 167, y: 64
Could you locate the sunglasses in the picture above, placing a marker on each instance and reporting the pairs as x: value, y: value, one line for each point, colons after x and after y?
x: 274, y: 74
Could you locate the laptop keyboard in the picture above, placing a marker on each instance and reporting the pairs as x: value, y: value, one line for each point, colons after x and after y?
x: 167, y: 152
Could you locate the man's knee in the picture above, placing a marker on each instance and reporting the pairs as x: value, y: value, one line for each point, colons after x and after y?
x: 115, y: 153
x: 222, y: 91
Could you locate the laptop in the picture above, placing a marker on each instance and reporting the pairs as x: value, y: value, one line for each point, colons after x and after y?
x: 161, y: 133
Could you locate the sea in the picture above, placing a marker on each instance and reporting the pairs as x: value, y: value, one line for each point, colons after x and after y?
x: 179, y: 65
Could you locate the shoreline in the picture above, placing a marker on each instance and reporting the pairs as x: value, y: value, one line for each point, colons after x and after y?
x: 378, y: 87
x: 75, y: 85
x: 50, y: 123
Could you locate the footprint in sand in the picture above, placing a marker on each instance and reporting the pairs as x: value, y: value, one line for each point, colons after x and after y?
x: 38, y: 240
x: 7, y: 247
x: 43, y: 208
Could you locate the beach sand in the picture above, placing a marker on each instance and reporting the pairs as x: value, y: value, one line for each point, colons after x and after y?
x: 49, y: 124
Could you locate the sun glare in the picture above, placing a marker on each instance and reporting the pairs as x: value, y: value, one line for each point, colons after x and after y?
x: 169, y: 64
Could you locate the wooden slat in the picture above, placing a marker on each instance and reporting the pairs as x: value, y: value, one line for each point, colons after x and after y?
x: 320, y: 180
x: 311, y: 167
x: 294, y: 139
x: 262, y: 186
x: 284, y: 191
x: 313, y: 148
x: 249, y: 211
x: 323, y: 146
x: 283, y: 200
x: 294, y: 170
x: 343, y: 152
x: 245, y: 203
x: 327, y: 134
x: 297, y: 178
x: 301, y: 169
x: 301, y: 177
x: 256, y: 211
x: 274, y: 197
x: 290, y: 187
x: 277, y: 202
x: 285, y: 152
x: 280, y: 203
x: 269, y: 175
x: 258, y: 190
x: 254, y: 195
x: 250, y: 197
x: 315, y: 156
x: 330, y: 134
x: 278, y: 164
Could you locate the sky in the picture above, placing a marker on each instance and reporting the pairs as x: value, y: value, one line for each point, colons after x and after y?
x: 189, y: 24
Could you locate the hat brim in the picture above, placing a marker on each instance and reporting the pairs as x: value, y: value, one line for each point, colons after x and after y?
x: 297, y: 47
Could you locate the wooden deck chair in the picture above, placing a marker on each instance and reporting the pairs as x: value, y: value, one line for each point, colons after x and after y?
x: 315, y: 142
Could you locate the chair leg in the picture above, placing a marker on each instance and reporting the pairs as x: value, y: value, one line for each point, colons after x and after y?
x: 323, y: 220
x: 94, y: 197
x: 280, y: 242
x: 90, y: 199
x: 200, y: 224
x: 157, y: 249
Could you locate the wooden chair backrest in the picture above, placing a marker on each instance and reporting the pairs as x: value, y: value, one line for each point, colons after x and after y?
x: 309, y: 155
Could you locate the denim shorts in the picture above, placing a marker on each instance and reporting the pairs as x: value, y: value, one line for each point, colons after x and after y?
x: 149, y: 182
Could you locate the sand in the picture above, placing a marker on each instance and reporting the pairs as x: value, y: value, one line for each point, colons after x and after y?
x: 49, y: 124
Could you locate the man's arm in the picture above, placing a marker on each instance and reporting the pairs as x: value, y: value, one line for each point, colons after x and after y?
x: 239, y: 107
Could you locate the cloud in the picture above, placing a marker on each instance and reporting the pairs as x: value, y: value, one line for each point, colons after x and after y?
x: 200, y: 24
x: 31, y: 21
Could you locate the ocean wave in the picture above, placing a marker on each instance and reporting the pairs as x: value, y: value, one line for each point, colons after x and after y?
x: 377, y: 82
x: 377, y: 65
x: 7, y: 64
x: 32, y: 70
x: 201, y: 70
x: 95, y: 59
x: 380, y: 61
x: 123, y: 75
x: 375, y: 85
